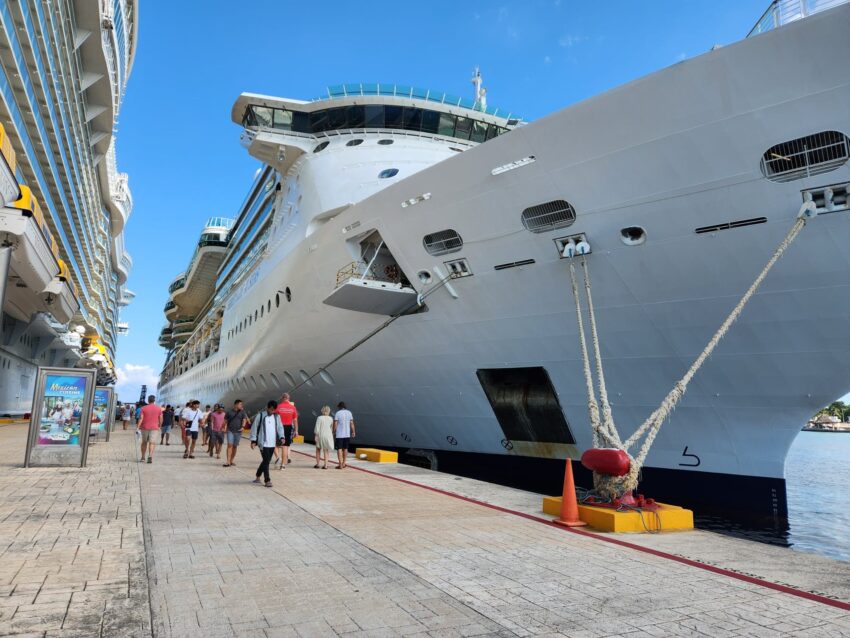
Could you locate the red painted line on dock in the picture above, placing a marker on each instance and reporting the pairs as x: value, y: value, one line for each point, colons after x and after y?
x: 785, y: 589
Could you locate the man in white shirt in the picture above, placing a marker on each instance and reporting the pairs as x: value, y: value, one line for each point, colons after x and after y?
x: 343, y: 433
x: 191, y: 416
x: 266, y: 431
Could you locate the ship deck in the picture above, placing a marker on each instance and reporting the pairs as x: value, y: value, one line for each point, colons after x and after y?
x: 187, y: 547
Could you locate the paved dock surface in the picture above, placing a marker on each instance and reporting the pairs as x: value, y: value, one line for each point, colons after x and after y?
x: 189, y: 548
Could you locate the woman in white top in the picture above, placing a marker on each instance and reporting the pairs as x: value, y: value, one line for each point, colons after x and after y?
x: 323, y: 433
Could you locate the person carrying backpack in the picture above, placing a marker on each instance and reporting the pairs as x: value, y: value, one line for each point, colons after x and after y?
x: 266, y: 432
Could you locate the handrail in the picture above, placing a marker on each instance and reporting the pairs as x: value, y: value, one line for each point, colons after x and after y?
x: 784, y: 11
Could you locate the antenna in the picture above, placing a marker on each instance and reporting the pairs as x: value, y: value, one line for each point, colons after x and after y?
x: 480, y: 91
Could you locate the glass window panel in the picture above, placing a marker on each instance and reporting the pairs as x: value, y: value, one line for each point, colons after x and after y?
x: 451, y: 99
x: 492, y: 131
x: 466, y: 102
x: 393, y: 116
x: 430, y: 121
x: 282, y: 119
x: 301, y: 122
x: 447, y: 124
x: 479, y: 131
x: 374, y: 117
x: 370, y: 89
x: 248, y: 118
x: 336, y: 90
x: 412, y: 118
x: 336, y: 118
x: 319, y: 121
x: 263, y: 115
x: 464, y: 127
x: 420, y: 92
x: 356, y: 116
x: 352, y: 89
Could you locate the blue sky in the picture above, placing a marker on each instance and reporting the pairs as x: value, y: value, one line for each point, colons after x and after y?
x: 176, y: 140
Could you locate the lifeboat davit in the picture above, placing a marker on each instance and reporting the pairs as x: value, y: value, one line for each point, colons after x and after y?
x: 606, y: 460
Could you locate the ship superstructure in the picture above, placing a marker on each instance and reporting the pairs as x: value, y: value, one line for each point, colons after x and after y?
x: 63, y: 70
x: 417, y: 270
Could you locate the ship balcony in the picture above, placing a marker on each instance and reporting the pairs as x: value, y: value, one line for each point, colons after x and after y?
x: 10, y: 190
x: 177, y: 284
x: 35, y: 259
x: 170, y: 310
x: 200, y: 276
x: 183, y: 327
x: 61, y: 295
x: 360, y: 289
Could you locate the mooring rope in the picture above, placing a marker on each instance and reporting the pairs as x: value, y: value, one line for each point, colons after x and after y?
x: 606, y: 430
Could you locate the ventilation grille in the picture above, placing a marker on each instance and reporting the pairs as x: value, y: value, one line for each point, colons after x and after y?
x: 810, y: 155
x: 514, y: 264
x: 549, y: 216
x: 442, y: 242
x: 726, y: 226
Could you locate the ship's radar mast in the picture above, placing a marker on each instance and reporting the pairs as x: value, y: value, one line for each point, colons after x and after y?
x: 480, y: 91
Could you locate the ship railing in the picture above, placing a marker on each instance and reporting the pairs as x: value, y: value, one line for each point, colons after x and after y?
x: 359, y: 270
x: 784, y: 11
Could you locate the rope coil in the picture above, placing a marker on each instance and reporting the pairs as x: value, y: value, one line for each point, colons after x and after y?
x: 604, y: 429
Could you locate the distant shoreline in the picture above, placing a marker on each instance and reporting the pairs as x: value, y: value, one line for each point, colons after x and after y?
x: 841, y: 431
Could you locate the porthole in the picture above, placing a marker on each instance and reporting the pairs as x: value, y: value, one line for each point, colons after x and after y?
x: 356, y: 142
x: 811, y: 155
x: 306, y: 378
x: 277, y: 300
x: 549, y: 216
x: 388, y: 172
x: 424, y: 276
x: 263, y: 382
x: 385, y: 142
x: 269, y: 306
x: 632, y: 235
x: 262, y: 310
x: 275, y: 379
x: 288, y: 294
x: 326, y: 377
x: 321, y: 147
x: 289, y: 378
x: 254, y: 382
x: 442, y: 242
x: 256, y: 315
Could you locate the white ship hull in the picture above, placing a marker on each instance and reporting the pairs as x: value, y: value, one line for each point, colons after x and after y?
x: 672, y: 152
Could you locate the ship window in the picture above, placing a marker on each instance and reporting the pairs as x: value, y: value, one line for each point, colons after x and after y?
x: 412, y: 118
x: 430, y: 121
x: 442, y: 242
x: 356, y: 142
x: 464, y: 127
x: 393, y: 116
x: 321, y: 146
x: 262, y: 310
x: 374, y: 117
x: 306, y: 378
x: 385, y: 142
x: 256, y: 314
x: 282, y: 119
x: 301, y: 122
x: 336, y: 118
x: 319, y: 121
x: 269, y: 306
x: 289, y: 378
x: 479, y: 131
x: 262, y: 116
x: 388, y: 172
x: 447, y: 124
x: 805, y: 156
x: 277, y: 300
x: 288, y: 293
x: 492, y: 131
x: 549, y: 216
x: 275, y: 379
x: 356, y: 116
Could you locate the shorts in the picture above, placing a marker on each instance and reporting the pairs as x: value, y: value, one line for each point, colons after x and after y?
x: 233, y: 438
x: 217, y: 437
x: 287, y: 435
x: 341, y: 444
x: 193, y: 434
x: 166, y: 429
x: 149, y: 436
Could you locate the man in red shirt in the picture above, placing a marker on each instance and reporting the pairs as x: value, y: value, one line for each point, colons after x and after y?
x: 289, y: 419
x: 149, y: 423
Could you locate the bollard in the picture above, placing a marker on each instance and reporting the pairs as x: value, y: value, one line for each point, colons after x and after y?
x: 569, y: 504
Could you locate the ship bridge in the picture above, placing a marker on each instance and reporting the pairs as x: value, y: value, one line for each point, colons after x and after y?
x: 191, y: 291
x: 279, y: 130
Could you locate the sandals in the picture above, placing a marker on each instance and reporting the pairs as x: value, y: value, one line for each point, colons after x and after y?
x: 324, y: 467
x: 191, y: 456
x: 225, y: 465
x: 186, y: 456
x: 316, y: 466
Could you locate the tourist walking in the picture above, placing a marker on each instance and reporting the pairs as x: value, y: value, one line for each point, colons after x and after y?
x: 266, y: 431
x: 236, y: 420
x: 192, y: 418
x: 289, y: 419
x: 323, y: 434
x: 167, y: 424
x: 126, y: 415
x: 205, y: 423
x: 343, y: 433
x: 149, y: 422
x: 186, y: 409
x: 217, y: 427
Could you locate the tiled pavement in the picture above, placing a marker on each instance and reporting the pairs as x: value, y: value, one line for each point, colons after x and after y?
x: 334, y: 553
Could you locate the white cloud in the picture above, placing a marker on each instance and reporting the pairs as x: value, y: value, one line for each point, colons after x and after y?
x: 131, y: 378
x: 571, y: 40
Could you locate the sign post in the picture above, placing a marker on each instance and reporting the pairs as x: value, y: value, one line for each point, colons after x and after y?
x: 103, y: 411
x: 61, y: 417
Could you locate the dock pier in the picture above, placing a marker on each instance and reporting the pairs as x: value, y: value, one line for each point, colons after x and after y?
x: 190, y: 548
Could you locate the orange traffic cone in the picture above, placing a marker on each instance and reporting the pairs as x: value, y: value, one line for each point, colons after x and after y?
x: 569, y: 504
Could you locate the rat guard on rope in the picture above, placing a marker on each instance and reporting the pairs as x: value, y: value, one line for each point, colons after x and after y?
x: 615, y: 470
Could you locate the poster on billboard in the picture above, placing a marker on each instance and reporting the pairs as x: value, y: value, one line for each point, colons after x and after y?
x: 61, y: 417
x: 102, y: 412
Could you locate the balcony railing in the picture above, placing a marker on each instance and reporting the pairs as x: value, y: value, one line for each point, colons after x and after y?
x: 177, y: 284
x: 784, y: 11
x: 359, y: 270
x: 170, y: 305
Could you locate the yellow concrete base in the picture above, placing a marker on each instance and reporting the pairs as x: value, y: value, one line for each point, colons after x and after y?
x: 668, y: 517
x: 298, y: 439
x: 375, y: 455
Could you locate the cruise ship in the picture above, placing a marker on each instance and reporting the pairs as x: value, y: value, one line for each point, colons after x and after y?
x: 63, y: 266
x: 403, y: 250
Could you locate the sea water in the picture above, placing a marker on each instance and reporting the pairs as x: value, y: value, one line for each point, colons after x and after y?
x: 817, y: 477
